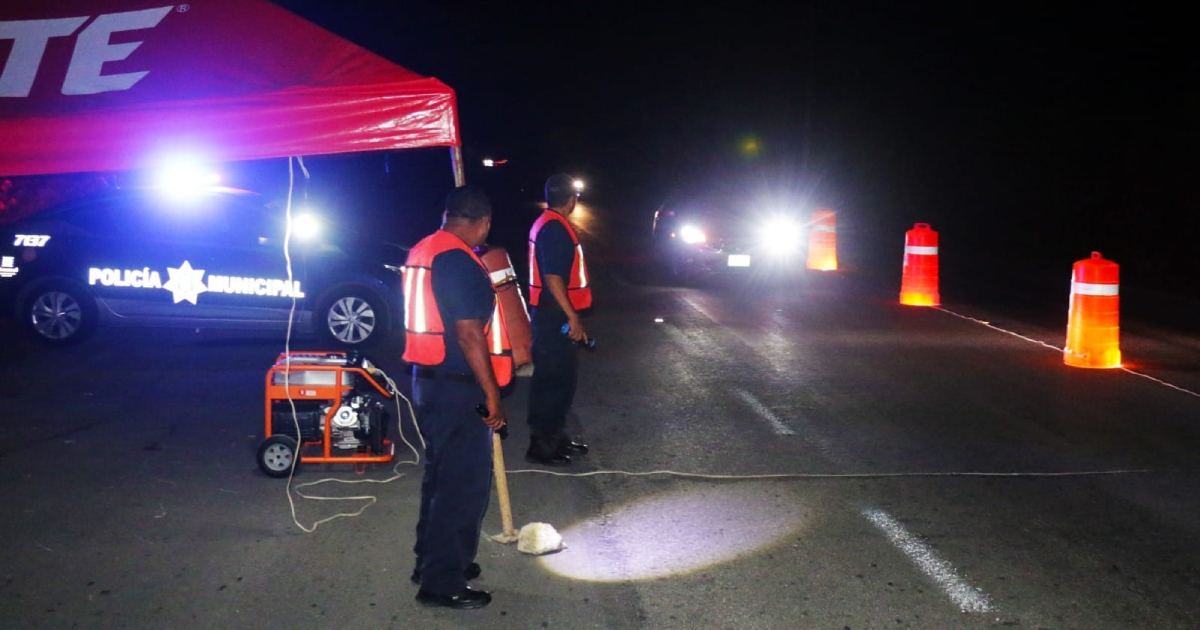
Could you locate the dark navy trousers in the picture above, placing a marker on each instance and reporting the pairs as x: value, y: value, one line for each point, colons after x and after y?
x: 457, y: 483
x: 555, y: 373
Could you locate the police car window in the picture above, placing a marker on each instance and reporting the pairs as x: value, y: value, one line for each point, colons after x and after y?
x: 155, y: 217
x: 251, y: 223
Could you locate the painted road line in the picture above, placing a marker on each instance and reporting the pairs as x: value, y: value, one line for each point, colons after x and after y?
x: 761, y: 409
x: 968, y: 598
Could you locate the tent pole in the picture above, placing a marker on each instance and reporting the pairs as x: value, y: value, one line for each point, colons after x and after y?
x: 456, y: 160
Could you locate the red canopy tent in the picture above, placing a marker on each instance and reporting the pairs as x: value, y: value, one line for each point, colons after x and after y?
x: 105, y: 85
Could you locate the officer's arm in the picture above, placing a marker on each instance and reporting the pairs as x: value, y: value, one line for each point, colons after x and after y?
x: 473, y: 342
x: 558, y: 288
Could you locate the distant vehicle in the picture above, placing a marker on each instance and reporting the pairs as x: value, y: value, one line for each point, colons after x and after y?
x: 140, y: 257
x: 700, y: 237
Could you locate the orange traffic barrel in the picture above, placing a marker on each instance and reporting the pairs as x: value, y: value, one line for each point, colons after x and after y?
x: 822, y: 241
x: 1093, y: 326
x: 919, y: 284
x: 512, y: 303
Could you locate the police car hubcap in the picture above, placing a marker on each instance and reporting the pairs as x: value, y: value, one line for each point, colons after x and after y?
x: 351, y: 320
x: 56, y: 315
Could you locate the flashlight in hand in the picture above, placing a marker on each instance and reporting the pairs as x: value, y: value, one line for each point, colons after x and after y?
x: 482, y: 410
x: 589, y: 343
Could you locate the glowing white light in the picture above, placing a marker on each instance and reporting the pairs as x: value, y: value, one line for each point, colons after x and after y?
x: 489, y: 162
x: 305, y: 226
x: 658, y: 320
x: 692, y: 235
x: 186, y: 178
x: 578, y: 184
x: 782, y: 236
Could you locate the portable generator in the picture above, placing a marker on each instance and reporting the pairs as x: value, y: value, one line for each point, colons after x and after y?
x: 325, y: 408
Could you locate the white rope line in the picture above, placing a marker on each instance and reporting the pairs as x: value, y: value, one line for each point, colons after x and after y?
x: 1162, y: 382
x: 880, y: 475
x: 1042, y: 343
x: 997, y: 328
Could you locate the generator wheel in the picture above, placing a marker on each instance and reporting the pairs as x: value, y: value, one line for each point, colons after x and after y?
x: 379, y: 434
x: 276, y: 455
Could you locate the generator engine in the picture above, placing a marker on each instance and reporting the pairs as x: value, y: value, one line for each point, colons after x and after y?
x: 360, y: 421
x: 325, y: 407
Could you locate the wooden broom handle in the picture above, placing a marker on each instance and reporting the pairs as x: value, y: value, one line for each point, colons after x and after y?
x: 502, y: 486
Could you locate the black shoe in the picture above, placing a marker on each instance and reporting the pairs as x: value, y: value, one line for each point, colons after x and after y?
x: 567, y: 446
x: 539, y: 456
x: 467, y: 599
x: 471, y: 573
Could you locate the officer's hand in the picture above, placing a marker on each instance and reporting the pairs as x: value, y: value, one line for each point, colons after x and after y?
x: 495, y: 418
x: 576, y: 332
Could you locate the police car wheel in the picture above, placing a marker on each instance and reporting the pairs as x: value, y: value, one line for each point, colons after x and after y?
x: 353, y: 318
x: 59, y: 314
x: 276, y: 455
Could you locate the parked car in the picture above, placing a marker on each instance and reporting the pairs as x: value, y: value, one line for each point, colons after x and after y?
x: 140, y: 257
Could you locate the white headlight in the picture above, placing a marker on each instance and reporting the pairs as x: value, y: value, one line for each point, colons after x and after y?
x: 781, y: 236
x: 692, y: 234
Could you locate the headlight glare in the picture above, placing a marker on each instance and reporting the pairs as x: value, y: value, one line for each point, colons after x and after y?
x: 782, y: 236
x: 692, y: 235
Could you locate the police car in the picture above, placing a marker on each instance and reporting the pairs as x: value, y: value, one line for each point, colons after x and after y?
x: 216, y: 259
x: 699, y: 237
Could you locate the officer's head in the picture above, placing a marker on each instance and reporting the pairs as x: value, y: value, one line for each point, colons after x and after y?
x: 468, y: 214
x: 560, y: 193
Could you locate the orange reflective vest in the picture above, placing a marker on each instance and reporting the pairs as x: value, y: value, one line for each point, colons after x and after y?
x: 425, y: 341
x: 579, y: 286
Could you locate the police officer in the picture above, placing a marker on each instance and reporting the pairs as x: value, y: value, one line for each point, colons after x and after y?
x: 559, y: 288
x: 458, y: 345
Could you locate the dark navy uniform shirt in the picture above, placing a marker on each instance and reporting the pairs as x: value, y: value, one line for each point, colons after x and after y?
x: 462, y: 290
x: 555, y: 256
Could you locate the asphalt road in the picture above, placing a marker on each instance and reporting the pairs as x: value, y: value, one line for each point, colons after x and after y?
x: 926, y: 450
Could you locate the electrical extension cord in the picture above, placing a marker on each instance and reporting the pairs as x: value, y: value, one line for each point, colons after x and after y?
x: 397, y: 396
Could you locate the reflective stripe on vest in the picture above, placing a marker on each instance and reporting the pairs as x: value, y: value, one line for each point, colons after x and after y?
x: 425, y: 342
x: 1088, y: 288
x: 579, y: 289
x: 920, y: 250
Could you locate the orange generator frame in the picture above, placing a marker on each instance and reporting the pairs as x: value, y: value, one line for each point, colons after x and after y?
x: 336, y: 397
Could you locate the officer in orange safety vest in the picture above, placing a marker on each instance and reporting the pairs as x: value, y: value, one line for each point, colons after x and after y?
x: 456, y: 340
x: 559, y: 288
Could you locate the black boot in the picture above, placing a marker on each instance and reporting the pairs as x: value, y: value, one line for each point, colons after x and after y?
x: 544, y: 450
x: 568, y: 446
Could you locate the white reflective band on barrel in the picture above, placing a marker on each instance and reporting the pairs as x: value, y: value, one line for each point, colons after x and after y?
x: 920, y: 251
x: 1088, y: 288
x: 824, y: 228
x: 583, y: 279
x: 502, y: 276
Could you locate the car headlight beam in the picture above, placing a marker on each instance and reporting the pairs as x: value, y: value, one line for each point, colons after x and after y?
x: 692, y: 235
x: 781, y: 236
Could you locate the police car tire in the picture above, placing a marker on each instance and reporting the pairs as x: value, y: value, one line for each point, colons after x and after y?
x: 277, y: 455
x: 72, y: 308
x: 338, y: 298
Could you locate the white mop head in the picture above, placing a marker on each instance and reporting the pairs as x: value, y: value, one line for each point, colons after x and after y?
x: 539, y: 538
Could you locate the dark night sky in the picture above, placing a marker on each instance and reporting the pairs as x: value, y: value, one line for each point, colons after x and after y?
x: 975, y: 117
